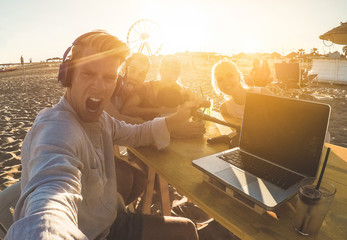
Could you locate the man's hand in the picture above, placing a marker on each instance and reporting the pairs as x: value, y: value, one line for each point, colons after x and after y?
x: 184, y: 112
x: 189, y: 130
x: 189, y: 95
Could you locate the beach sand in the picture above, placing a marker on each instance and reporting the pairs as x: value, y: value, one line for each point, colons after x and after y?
x: 21, y: 98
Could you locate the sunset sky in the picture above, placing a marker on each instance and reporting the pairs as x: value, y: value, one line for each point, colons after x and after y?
x: 41, y: 29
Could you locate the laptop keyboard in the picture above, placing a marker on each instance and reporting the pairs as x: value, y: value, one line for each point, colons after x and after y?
x: 271, y: 173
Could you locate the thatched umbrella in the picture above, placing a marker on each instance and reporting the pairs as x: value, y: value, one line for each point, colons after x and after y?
x: 336, y: 35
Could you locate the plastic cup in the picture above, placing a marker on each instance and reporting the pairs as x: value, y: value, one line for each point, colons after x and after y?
x: 312, y: 205
x: 209, y: 109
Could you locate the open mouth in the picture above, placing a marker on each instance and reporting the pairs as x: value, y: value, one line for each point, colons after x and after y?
x: 93, y: 104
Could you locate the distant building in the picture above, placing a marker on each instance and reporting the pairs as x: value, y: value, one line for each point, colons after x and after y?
x: 330, y: 70
x: 334, y: 55
x: 55, y: 59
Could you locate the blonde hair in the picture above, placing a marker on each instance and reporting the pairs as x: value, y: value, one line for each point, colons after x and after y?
x: 140, y: 57
x: 219, y: 68
x: 134, y: 56
x: 104, y: 45
x: 169, y: 60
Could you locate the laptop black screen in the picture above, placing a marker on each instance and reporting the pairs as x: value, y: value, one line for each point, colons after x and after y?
x: 287, y: 132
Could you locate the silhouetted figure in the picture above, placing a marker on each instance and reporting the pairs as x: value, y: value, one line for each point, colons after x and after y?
x: 255, y: 72
x: 261, y: 75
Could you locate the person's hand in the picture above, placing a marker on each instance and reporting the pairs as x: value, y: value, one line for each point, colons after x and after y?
x: 184, y: 112
x: 189, y: 130
x: 192, y: 96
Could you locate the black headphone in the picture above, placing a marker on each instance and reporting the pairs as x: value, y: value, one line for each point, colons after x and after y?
x: 63, y: 76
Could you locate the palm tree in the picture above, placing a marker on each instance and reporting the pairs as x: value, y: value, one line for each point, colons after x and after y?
x: 292, y: 55
x: 314, y: 51
x: 301, y: 52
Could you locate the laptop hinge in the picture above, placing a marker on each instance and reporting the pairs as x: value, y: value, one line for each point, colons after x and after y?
x: 238, y: 197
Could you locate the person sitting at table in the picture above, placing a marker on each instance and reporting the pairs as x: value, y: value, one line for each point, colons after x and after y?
x: 132, y: 74
x: 227, y: 80
x: 145, y: 104
x: 68, y: 182
x: 162, y: 97
x: 130, y: 81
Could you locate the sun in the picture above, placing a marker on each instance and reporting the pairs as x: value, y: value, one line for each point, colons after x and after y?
x: 181, y: 30
x: 251, y: 46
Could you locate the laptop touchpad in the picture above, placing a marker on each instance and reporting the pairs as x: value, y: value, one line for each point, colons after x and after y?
x: 236, y: 177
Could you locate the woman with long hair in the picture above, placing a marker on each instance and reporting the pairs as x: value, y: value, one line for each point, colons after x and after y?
x: 227, y: 80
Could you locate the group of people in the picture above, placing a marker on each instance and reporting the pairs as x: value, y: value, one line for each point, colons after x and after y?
x: 136, y: 101
x: 69, y: 180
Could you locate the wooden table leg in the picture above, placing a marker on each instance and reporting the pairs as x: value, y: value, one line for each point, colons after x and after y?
x: 164, y: 196
x: 149, y: 192
x: 163, y: 192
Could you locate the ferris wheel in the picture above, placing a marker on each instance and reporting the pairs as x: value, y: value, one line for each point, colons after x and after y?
x: 144, y: 36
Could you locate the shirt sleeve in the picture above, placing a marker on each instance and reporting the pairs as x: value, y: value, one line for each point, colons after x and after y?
x: 51, y: 189
x: 153, y: 132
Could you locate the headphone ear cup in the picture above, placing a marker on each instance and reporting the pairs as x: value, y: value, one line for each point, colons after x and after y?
x: 63, y: 74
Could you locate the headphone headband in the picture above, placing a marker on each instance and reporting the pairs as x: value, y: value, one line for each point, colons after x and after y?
x: 63, y: 68
x: 77, y: 40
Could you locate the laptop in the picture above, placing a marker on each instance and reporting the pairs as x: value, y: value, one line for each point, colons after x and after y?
x: 281, y: 142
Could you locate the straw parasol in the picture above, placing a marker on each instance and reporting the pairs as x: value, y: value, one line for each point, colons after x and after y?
x: 336, y: 35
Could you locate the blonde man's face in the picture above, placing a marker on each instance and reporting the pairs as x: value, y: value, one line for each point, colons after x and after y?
x: 92, y: 86
x: 170, y: 72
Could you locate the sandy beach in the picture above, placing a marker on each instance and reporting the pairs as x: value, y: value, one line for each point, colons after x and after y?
x: 21, y: 98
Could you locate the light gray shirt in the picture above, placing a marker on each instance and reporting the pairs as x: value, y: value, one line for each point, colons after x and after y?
x: 69, y: 188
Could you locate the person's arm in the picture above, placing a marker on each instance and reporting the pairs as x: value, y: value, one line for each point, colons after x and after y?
x: 190, y: 95
x: 112, y: 110
x: 229, y: 117
x: 132, y: 108
x: 155, y: 132
x: 189, y: 130
x: 47, y: 208
x: 224, y: 110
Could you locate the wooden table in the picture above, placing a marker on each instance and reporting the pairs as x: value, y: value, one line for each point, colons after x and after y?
x: 175, y: 165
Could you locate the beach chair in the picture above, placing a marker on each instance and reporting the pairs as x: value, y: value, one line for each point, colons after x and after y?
x: 288, y: 75
x: 8, y: 200
x: 289, y: 79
